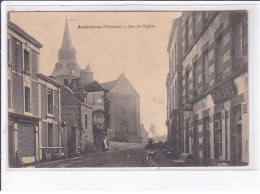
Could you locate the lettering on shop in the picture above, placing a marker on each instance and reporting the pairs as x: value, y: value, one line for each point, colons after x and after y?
x: 224, y: 92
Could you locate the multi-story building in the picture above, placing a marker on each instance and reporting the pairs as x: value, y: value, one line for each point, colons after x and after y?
x: 33, y: 102
x: 215, y: 86
x: 174, y: 88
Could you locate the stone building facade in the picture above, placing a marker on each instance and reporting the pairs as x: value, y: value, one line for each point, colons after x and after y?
x: 33, y: 102
x: 124, y: 110
x: 215, y: 87
x: 174, y: 87
x: 77, y: 116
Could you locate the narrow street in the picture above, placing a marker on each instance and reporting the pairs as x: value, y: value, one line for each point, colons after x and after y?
x: 132, y: 155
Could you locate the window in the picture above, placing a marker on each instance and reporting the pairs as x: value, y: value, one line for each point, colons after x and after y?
x: 50, y: 101
x: 175, y: 59
x: 86, y: 121
x: 172, y: 65
x: 195, y: 79
x: 187, y: 85
x: 9, y: 94
x: 187, y: 141
x: 78, y: 136
x: 219, y: 55
x: 26, y: 61
x: 176, y: 97
x: 175, y: 54
x: 50, y: 134
x: 186, y: 35
x: 173, y: 99
x: 27, y: 99
x: 218, y: 137
x: 195, y: 139
x: 205, y: 67
x: 9, y: 51
x: 206, y: 17
x: 194, y: 32
x: 239, y: 40
x: 124, y: 103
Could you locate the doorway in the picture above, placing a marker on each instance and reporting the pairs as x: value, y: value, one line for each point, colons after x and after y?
x: 206, y: 142
x: 11, y: 152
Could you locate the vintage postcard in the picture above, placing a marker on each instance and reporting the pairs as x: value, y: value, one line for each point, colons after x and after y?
x: 127, y: 89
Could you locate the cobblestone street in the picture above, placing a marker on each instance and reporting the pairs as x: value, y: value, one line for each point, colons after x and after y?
x: 124, y: 155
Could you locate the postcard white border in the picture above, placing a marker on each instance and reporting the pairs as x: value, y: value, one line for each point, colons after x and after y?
x: 14, y: 177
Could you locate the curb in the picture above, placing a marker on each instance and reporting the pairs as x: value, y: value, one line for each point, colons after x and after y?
x: 151, y: 161
x: 57, y: 161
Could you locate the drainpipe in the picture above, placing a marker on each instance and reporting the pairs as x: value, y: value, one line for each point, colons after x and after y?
x: 15, y: 141
x: 37, y: 156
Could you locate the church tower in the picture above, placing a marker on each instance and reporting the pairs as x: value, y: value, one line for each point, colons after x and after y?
x: 67, y: 67
x: 87, y: 75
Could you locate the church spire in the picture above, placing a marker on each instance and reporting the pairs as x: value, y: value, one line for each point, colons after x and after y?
x: 88, y: 68
x: 67, y: 53
x: 67, y: 64
x: 67, y: 43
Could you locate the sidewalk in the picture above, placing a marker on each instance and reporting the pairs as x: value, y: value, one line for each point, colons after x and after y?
x: 46, y: 163
x: 113, y: 146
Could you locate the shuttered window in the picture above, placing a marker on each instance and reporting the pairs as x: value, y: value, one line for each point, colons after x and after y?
x: 205, y: 67
x: 219, y: 55
x: 27, y: 99
x: 187, y: 85
x: 195, y: 79
x: 50, y: 134
x: 50, y: 101
x: 239, y: 40
x: 186, y: 35
x: 26, y: 61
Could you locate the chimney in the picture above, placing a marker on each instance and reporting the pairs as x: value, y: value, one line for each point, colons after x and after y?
x: 75, y: 84
x: 66, y: 82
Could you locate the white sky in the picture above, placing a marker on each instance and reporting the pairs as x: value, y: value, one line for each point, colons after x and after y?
x: 140, y: 53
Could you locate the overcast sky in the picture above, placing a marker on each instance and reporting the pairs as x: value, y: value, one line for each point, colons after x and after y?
x: 140, y: 52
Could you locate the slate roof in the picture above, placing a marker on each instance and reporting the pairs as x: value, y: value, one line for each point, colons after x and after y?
x: 121, y: 85
x: 93, y: 87
x: 66, y: 42
x: 108, y: 85
x: 21, y: 32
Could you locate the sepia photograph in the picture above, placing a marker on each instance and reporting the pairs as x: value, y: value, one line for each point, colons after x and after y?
x: 127, y: 89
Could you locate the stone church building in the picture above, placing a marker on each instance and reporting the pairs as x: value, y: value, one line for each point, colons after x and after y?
x: 67, y: 67
x: 124, y: 103
x: 124, y: 110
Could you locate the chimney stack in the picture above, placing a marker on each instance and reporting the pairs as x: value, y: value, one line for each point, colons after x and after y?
x: 75, y: 84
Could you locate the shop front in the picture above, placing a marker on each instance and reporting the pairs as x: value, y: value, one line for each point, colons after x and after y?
x: 231, y: 122
x: 23, y: 139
